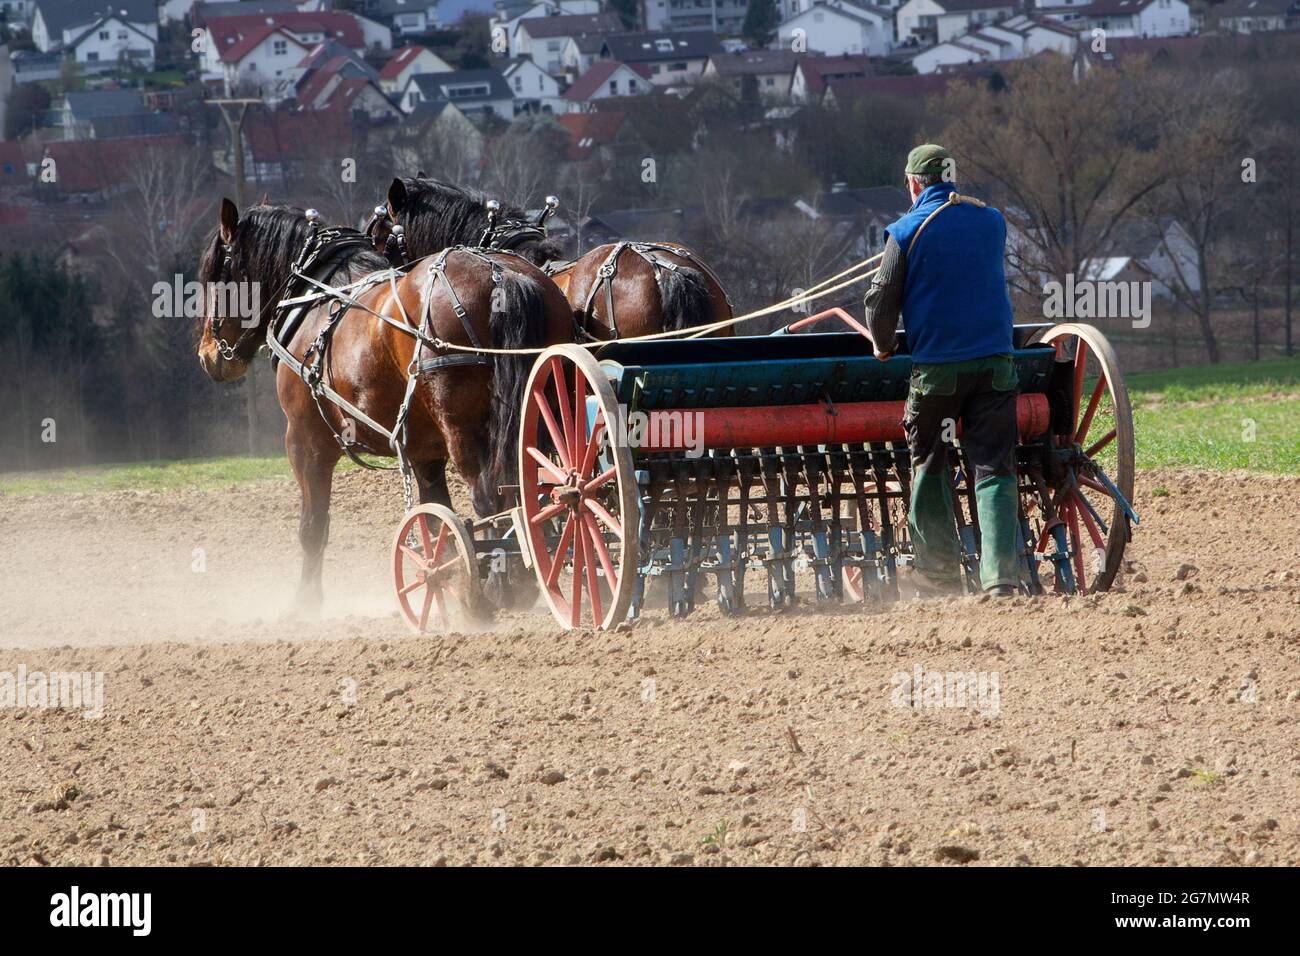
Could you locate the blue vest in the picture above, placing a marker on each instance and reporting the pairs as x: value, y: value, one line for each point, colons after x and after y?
x: 955, y: 304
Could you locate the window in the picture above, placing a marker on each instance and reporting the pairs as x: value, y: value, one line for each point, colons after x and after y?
x: 770, y: 81
x: 103, y: 34
x: 519, y: 84
x: 92, y: 56
x: 678, y: 67
x: 654, y: 70
x: 631, y: 86
x: 280, y: 47
x: 664, y: 46
x: 613, y: 87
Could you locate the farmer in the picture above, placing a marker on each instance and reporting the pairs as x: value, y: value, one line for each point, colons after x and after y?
x: 947, y: 280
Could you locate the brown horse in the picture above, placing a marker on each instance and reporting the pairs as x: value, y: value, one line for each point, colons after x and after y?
x: 464, y: 407
x: 618, y: 290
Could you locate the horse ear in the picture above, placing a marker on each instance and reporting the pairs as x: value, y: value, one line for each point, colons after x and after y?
x: 422, y: 175
x: 265, y: 200
x: 229, y: 220
x: 396, y: 196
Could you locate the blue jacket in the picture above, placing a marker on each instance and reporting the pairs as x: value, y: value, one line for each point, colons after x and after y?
x: 955, y: 304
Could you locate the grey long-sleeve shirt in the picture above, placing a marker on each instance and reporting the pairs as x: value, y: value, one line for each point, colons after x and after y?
x: 883, y: 301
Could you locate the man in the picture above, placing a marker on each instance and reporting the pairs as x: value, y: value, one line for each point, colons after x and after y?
x: 943, y: 270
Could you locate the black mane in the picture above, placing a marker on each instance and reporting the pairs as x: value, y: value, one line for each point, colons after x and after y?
x: 267, y: 242
x: 438, y: 215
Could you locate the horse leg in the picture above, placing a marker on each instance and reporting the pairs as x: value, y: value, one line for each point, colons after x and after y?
x: 431, y: 477
x: 313, y: 461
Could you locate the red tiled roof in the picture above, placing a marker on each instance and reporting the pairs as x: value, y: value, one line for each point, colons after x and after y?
x: 300, y: 135
x: 816, y: 69
x: 589, y: 130
x: 236, y: 35
x: 90, y: 165
x: 596, y: 77
x: 13, y: 168
x: 400, y: 61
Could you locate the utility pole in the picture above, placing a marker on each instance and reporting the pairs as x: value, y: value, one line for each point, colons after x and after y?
x: 233, y: 111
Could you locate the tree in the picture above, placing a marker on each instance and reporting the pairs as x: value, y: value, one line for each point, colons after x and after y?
x: 628, y: 12
x: 1071, y: 159
x: 761, y: 21
x: 26, y: 102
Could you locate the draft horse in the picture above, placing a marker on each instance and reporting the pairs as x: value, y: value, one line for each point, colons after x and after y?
x: 617, y: 290
x: 463, y: 407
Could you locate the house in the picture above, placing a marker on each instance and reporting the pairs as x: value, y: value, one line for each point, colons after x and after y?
x: 1162, y: 252
x: 764, y: 73
x: 671, y: 58
x: 99, y: 35
x: 438, y: 122
x: 811, y: 74
x: 1258, y: 16
x: 544, y: 39
x: 94, y: 170
x: 866, y: 211
x: 17, y: 11
x: 1137, y: 18
x: 60, y: 23
x: 405, y: 17
x: 283, y: 144
x: 951, y: 53
x: 937, y: 21
x: 607, y: 78
x: 263, y: 51
x: 109, y: 114
x: 406, y: 63
x: 680, y: 16
x: 599, y: 139
x: 476, y: 93
x: 510, y: 12
x: 535, y: 90
x: 836, y: 27
x: 1037, y: 34
x: 333, y: 77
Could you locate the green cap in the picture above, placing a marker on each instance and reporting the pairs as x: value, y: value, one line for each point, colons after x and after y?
x: 927, y: 158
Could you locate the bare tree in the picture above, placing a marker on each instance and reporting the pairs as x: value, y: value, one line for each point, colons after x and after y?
x: 1071, y: 157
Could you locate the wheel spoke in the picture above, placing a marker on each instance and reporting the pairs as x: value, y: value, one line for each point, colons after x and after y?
x: 1101, y: 443
x: 423, y: 522
x: 424, y: 611
x: 553, y: 574
x: 1082, y: 433
x: 444, y: 621
x: 1076, y: 545
x: 579, y: 417
x: 599, y: 511
x: 599, y: 481
x: 593, y: 585
x: 593, y: 446
x: 414, y: 555
x: 547, y: 513
x: 566, y: 411
x: 1093, y: 531
x: 543, y: 406
x: 549, y: 466
x: 575, y: 603
x: 411, y: 587
x: 602, y: 552
x: 441, y: 543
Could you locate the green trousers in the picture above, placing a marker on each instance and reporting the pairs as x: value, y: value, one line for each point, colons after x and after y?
x: 981, y: 394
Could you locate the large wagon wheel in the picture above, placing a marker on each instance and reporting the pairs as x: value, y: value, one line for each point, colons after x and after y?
x: 1100, y: 460
x: 434, y: 569
x: 572, y: 478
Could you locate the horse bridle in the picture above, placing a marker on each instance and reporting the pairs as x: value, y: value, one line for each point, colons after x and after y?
x: 228, y: 352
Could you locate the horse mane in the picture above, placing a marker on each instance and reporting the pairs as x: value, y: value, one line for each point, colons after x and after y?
x: 267, y: 242
x: 438, y: 215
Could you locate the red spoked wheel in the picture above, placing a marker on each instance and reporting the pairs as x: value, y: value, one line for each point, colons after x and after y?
x: 578, y: 491
x: 1099, y: 463
x: 435, y: 573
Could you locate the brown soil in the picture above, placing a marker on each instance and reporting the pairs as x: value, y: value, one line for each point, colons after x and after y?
x: 1156, y: 724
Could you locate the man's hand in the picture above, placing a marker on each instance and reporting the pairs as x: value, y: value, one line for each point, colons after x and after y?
x: 884, y: 356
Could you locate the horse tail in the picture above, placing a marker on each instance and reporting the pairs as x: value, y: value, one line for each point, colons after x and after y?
x: 684, y: 298
x: 519, y: 323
